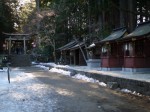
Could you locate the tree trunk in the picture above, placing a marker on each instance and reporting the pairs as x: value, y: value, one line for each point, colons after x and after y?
x: 54, y: 52
x: 132, y: 15
x: 38, y: 5
x: 122, y: 12
x: 38, y: 24
x: 89, y: 20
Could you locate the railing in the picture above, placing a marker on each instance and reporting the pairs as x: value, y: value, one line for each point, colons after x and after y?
x: 8, y: 71
x: 4, y: 62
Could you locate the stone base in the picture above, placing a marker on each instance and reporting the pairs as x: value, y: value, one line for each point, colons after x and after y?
x: 110, y: 69
x: 20, y: 60
x: 93, y: 63
x: 136, y: 70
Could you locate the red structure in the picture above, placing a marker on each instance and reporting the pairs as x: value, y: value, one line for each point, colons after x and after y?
x: 137, y: 49
x: 112, y: 53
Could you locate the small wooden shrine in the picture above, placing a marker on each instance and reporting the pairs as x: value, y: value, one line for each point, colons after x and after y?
x: 112, y: 50
x: 137, y: 49
x: 71, y: 53
x: 65, y: 56
x: 76, y: 54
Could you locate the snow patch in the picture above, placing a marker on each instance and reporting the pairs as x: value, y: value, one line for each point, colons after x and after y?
x: 131, y: 92
x: 126, y: 91
x: 54, y: 65
x: 79, y: 76
x: 60, y: 71
x: 42, y: 66
x: 85, y: 78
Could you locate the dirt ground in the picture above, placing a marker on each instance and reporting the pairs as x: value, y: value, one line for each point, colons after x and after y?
x: 73, y: 95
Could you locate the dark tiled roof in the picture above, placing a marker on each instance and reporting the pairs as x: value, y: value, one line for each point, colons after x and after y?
x: 115, y: 35
x: 77, y: 46
x: 67, y: 46
x: 141, y: 30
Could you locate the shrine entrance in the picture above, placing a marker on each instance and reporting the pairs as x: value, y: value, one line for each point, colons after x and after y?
x: 17, y: 43
x: 16, y: 46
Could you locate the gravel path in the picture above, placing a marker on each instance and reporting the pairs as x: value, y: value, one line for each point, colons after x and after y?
x: 43, y: 91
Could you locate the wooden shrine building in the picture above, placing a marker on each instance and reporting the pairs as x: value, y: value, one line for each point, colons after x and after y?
x: 71, y: 53
x: 137, y: 49
x: 112, y: 50
x: 65, y: 55
x: 78, y: 54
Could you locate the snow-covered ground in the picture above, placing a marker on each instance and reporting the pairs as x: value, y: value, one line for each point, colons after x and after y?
x: 23, y: 93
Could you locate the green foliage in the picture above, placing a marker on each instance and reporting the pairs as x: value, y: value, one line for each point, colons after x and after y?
x: 23, y: 13
x: 7, y: 15
x: 47, y: 30
x: 78, y: 17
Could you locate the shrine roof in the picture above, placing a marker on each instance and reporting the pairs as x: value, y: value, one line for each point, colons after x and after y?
x: 115, y: 35
x: 81, y: 44
x: 141, y: 30
x: 16, y: 34
x: 67, y: 46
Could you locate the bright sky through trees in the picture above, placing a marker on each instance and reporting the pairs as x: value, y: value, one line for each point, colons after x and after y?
x: 24, y: 1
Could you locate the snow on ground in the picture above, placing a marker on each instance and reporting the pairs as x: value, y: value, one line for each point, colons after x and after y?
x: 42, y: 66
x: 68, y: 73
x: 131, y: 92
x: 76, y: 76
x: 24, y: 92
x: 60, y: 71
x: 83, y: 77
x: 3, y: 79
x: 55, y: 65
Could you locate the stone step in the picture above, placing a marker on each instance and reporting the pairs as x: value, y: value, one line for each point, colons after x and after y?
x: 20, y: 60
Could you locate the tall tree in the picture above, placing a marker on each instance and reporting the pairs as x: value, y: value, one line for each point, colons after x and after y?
x: 47, y: 32
x: 8, y: 16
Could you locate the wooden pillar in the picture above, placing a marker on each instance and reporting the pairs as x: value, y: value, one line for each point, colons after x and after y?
x: 133, y: 46
x: 74, y: 57
x: 108, y: 49
x: 24, y: 45
x: 144, y: 48
x: 117, y: 48
x: 9, y: 46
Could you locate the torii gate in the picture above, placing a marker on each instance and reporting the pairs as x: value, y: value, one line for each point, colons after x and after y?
x: 16, y: 37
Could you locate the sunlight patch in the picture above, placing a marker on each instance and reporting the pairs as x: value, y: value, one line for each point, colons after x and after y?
x: 64, y: 92
x: 18, y: 96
